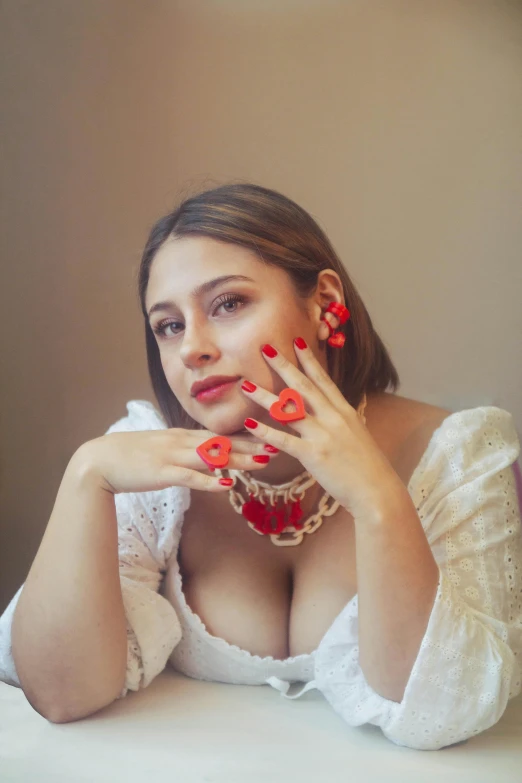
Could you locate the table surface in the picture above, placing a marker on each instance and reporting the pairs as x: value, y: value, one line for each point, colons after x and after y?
x: 190, y: 731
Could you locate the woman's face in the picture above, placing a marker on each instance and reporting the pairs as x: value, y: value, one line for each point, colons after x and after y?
x: 220, y: 328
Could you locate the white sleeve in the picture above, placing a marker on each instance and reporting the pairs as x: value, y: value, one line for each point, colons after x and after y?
x: 146, y: 523
x: 145, y: 533
x: 8, y: 672
x: 469, y: 662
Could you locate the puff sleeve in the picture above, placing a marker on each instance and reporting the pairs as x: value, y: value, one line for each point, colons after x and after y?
x: 469, y: 661
x: 146, y: 523
x: 144, y: 543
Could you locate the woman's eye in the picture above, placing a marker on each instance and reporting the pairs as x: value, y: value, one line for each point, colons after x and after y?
x: 229, y: 302
x: 161, y: 327
x: 227, y: 299
x: 224, y: 302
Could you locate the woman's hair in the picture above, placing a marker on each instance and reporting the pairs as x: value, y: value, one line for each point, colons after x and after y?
x: 283, y: 234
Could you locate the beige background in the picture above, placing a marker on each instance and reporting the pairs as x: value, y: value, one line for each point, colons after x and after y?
x: 396, y: 124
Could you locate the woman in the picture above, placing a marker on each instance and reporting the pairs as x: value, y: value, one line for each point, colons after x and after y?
x: 393, y: 587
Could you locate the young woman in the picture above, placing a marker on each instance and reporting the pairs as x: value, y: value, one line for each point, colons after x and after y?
x: 356, y: 541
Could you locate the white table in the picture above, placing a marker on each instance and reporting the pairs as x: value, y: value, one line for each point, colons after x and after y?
x: 187, y: 731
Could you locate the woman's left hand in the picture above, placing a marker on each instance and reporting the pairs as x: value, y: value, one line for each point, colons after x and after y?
x: 334, y: 444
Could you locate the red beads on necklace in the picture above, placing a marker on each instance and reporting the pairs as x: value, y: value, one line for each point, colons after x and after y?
x: 271, y: 520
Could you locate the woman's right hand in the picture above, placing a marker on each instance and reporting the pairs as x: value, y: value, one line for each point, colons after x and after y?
x: 156, y: 459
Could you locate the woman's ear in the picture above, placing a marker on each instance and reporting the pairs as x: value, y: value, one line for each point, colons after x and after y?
x: 329, y: 289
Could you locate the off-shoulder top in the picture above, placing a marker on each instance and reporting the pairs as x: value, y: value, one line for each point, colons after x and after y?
x: 469, y: 663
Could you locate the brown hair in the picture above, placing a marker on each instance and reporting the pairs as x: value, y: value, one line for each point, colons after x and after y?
x: 282, y: 233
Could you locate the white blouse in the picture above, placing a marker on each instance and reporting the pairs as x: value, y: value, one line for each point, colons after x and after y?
x: 469, y: 663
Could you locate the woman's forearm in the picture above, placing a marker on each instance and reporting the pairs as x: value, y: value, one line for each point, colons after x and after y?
x: 69, y: 639
x: 397, y: 579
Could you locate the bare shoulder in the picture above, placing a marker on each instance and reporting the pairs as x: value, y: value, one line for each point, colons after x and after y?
x: 403, y: 428
x: 402, y: 412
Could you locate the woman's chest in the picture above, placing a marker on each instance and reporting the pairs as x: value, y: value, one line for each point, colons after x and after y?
x: 269, y: 600
x: 280, y: 601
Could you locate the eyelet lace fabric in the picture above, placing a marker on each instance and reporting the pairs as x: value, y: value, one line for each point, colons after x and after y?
x: 469, y: 662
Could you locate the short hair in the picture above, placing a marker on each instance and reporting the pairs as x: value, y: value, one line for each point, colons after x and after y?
x: 283, y: 234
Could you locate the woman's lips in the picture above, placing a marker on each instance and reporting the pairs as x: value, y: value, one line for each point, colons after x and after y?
x: 215, y: 392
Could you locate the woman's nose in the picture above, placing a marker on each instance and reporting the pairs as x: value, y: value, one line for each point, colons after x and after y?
x: 197, y: 346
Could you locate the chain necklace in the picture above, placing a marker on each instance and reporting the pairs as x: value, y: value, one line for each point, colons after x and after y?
x: 265, y: 515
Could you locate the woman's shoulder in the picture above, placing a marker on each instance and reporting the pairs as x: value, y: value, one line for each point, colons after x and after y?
x: 403, y: 429
x: 419, y: 436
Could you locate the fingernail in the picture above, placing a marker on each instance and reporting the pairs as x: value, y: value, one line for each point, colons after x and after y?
x: 300, y: 343
x: 261, y: 458
x: 249, y: 387
x: 226, y: 482
x: 250, y: 423
x: 271, y: 449
x: 269, y: 351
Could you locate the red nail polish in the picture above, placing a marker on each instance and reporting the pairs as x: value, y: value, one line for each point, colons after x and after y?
x: 269, y: 351
x: 261, y: 458
x: 226, y: 482
x: 271, y: 449
x: 300, y: 343
x: 250, y: 423
x: 248, y: 387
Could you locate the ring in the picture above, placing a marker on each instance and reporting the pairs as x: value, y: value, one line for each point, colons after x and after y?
x: 288, y: 395
x: 219, y: 460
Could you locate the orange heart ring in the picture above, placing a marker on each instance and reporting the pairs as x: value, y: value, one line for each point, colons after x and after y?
x: 288, y: 395
x: 220, y: 460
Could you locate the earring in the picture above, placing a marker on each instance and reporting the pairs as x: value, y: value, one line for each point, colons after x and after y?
x: 336, y: 339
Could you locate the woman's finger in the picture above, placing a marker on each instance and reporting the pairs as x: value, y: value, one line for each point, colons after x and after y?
x: 239, y: 445
x: 281, y: 439
x: 266, y: 399
x: 316, y: 373
x: 256, y: 458
x: 295, y: 379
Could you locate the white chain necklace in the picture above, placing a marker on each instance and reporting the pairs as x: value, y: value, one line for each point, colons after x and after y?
x: 291, y: 492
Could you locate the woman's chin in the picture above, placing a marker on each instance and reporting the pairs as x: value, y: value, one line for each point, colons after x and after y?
x: 225, y: 425
x: 229, y: 430
x: 228, y: 419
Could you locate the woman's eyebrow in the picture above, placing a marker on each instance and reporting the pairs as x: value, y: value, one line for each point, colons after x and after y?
x: 201, y: 289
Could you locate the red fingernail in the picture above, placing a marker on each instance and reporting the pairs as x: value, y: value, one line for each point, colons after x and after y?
x: 271, y: 449
x: 268, y: 350
x: 300, y: 343
x: 261, y: 458
x: 249, y: 387
x: 250, y: 423
x: 226, y: 482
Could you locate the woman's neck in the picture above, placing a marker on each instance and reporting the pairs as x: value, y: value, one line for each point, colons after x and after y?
x: 280, y: 469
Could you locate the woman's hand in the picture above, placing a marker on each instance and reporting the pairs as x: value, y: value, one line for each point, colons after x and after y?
x: 156, y: 459
x: 334, y: 444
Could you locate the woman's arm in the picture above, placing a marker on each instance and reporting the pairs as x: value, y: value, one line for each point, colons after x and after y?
x: 397, y: 578
x: 101, y: 556
x: 467, y: 665
x: 69, y: 638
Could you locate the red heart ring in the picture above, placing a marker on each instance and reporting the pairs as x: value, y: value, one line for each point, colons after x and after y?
x: 276, y: 409
x: 220, y: 460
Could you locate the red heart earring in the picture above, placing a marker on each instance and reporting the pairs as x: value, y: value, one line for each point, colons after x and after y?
x: 276, y: 409
x: 336, y: 339
x: 220, y: 460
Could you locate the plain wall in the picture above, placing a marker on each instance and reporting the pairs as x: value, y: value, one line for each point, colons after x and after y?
x: 396, y: 124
